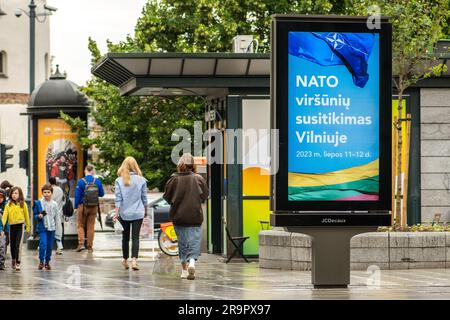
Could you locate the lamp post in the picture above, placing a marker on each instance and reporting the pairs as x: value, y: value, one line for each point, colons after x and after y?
x: 33, y: 17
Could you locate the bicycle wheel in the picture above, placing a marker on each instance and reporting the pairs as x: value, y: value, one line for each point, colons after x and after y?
x: 166, y: 245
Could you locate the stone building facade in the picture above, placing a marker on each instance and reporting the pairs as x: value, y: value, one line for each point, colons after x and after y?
x: 435, y: 153
x: 14, y: 78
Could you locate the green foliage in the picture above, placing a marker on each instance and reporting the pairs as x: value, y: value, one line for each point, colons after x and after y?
x: 210, y: 25
x: 134, y: 126
x: 417, y: 25
x: 418, y: 228
x: 142, y: 126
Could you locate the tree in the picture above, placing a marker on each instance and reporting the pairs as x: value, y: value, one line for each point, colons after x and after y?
x: 209, y: 26
x: 142, y: 126
x: 134, y: 126
x: 417, y: 26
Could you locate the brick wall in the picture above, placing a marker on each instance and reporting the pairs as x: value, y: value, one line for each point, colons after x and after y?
x: 14, y: 98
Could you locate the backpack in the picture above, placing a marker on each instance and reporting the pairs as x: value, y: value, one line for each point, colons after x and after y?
x: 90, y: 197
x: 67, y: 208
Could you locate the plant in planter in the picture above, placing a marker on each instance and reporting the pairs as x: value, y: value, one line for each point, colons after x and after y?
x: 418, y: 228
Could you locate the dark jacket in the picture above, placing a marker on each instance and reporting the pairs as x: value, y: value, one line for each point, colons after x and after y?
x: 2, y: 208
x: 185, y: 193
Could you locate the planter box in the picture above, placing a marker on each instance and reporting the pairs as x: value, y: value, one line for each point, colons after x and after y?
x: 387, y: 250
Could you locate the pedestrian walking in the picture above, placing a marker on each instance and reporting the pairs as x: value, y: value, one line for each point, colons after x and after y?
x: 59, y: 197
x: 87, y: 193
x: 6, y: 187
x: 131, y: 207
x: 48, y: 216
x: 3, y: 233
x: 185, y: 191
x: 16, y: 214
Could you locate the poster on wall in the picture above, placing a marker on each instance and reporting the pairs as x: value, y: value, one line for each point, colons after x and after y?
x: 331, y: 104
x: 60, y: 156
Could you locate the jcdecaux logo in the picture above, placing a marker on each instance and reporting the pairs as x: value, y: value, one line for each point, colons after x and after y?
x: 330, y: 220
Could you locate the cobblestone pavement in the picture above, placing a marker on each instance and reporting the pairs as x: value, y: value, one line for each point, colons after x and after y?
x: 100, y: 276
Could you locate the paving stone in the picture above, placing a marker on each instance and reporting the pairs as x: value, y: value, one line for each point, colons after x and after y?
x: 378, y: 239
x: 365, y: 265
x: 427, y: 265
x: 275, y: 264
x: 106, y: 279
x: 426, y: 239
x: 301, y: 266
x: 369, y: 255
x: 398, y: 265
x: 275, y: 238
x: 426, y: 254
x: 365, y: 240
x: 301, y: 254
x: 300, y: 240
x: 434, y: 97
x: 276, y: 253
x: 398, y: 239
x: 397, y: 255
x: 166, y: 265
x: 435, y: 115
x: 356, y: 242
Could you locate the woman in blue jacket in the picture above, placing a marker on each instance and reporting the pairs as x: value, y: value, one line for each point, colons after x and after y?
x: 131, y: 207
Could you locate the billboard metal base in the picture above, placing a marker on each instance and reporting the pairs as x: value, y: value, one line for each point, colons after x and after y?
x: 330, y: 256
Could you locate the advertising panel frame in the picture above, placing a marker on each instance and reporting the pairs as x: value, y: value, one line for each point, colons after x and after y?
x: 334, y: 212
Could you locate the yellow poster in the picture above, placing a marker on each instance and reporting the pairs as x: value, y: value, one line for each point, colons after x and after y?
x: 59, y: 155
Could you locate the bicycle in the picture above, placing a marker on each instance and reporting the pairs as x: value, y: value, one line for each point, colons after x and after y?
x: 167, y: 239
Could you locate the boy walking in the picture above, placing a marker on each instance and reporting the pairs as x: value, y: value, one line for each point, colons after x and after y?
x: 49, y: 223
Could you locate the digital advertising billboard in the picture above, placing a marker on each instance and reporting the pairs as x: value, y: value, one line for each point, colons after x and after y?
x: 331, y: 103
x: 333, y: 117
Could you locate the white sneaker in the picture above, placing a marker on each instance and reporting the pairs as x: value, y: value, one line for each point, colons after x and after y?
x: 191, y: 272
x: 184, y: 274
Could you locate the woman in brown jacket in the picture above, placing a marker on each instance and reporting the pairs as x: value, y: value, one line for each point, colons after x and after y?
x: 185, y: 191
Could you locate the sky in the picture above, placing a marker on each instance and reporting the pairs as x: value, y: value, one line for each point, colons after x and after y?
x: 76, y: 21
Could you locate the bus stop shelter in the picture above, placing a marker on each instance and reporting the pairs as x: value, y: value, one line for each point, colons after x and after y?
x: 236, y: 89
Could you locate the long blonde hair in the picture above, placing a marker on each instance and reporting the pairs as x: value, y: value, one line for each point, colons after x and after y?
x: 128, y: 165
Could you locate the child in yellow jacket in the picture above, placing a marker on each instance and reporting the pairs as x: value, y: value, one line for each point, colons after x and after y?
x: 16, y: 214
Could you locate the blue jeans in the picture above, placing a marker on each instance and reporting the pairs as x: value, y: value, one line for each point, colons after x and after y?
x: 189, y: 239
x: 46, y: 245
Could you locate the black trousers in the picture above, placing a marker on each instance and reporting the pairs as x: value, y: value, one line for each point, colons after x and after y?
x: 135, y: 227
x: 15, y: 237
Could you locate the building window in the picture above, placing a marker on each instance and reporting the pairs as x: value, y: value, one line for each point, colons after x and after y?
x: 2, y: 63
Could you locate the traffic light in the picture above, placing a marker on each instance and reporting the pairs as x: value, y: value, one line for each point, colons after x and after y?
x: 23, y: 159
x: 4, y: 157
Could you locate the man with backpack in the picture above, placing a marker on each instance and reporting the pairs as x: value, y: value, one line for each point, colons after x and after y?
x: 87, y: 194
